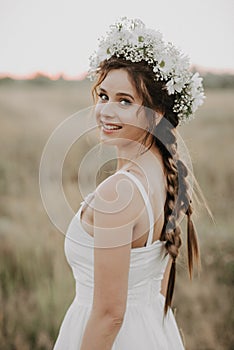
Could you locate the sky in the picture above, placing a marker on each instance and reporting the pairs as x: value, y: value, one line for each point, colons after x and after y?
x: 57, y: 37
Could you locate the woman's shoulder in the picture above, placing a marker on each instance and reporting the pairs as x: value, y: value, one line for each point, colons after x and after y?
x: 119, y: 194
x: 116, y: 185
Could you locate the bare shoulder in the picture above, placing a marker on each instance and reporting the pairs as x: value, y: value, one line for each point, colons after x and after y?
x: 118, y: 195
x: 117, y: 207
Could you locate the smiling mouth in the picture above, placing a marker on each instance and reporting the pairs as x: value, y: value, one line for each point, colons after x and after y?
x: 109, y: 126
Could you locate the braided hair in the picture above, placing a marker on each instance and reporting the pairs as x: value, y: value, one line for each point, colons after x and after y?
x: 155, y: 98
x: 178, y: 202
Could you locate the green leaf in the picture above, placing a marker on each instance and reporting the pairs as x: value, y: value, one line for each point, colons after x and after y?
x: 162, y: 64
x: 140, y: 39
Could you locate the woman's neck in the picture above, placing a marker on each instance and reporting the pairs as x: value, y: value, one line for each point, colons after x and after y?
x: 127, y: 154
x: 131, y: 154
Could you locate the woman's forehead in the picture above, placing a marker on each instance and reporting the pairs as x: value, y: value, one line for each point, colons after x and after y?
x: 118, y: 81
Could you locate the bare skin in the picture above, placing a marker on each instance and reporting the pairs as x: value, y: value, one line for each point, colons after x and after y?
x: 117, y: 106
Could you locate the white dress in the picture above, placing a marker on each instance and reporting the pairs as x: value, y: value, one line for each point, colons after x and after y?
x: 144, y: 327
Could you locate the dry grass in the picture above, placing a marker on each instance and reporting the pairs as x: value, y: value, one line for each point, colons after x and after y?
x: 36, y: 282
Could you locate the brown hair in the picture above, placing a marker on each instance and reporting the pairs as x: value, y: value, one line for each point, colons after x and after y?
x: 155, y: 97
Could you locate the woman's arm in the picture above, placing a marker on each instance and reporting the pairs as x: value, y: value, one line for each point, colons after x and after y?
x: 108, y: 310
x: 114, y: 217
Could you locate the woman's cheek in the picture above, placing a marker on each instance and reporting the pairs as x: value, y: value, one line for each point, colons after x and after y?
x: 97, y: 111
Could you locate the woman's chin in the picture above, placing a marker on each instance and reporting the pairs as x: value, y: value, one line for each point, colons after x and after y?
x: 107, y: 140
x: 111, y: 140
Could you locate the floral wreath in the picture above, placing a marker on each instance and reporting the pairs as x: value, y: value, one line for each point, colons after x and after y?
x: 129, y: 38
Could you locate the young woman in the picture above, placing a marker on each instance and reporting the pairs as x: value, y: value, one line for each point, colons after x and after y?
x: 123, y: 243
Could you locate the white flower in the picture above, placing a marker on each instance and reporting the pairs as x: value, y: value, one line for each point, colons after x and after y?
x: 179, y: 84
x: 196, y: 82
x: 170, y: 86
x: 132, y: 40
x: 198, y: 101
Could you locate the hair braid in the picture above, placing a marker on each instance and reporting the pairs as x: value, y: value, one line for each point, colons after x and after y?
x: 178, y: 201
x: 185, y: 206
x: 166, y: 143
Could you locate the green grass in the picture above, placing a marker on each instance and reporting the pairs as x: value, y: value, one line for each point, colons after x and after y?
x: 36, y: 284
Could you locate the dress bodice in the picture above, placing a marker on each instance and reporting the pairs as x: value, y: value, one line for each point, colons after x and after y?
x: 147, y: 264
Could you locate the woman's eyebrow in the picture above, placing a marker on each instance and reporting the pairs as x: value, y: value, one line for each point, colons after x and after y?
x: 124, y: 94
x: 119, y: 93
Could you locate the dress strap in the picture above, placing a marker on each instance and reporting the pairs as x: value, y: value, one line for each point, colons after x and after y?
x: 146, y: 200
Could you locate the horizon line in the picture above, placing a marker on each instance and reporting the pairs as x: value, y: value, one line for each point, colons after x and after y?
x: 83, y: 75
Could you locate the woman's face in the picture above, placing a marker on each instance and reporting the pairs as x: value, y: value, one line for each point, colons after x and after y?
x: 117, y: 110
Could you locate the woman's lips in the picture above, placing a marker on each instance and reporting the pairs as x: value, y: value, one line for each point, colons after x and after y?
x: 110, y: 127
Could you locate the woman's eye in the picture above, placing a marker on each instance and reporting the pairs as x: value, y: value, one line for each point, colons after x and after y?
x: 103, y: 97
x: 125, y: 102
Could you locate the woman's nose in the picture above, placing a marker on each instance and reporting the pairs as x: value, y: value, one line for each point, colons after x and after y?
x: 108, y: 109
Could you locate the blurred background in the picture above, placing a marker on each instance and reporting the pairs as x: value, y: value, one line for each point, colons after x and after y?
x: 44, y: 52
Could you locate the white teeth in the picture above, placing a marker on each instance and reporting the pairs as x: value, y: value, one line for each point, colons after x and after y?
x: 111, y: 127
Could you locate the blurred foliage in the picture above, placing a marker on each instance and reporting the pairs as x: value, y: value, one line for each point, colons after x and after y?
x: 36, y: 283
x: 218, y: 81
x: 211, y: 80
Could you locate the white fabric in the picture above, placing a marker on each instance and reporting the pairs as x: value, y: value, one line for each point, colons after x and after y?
x: 144, y: 327
x: 146, y: 200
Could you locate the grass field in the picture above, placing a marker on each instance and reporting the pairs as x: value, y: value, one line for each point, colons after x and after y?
x: 36, y: 284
